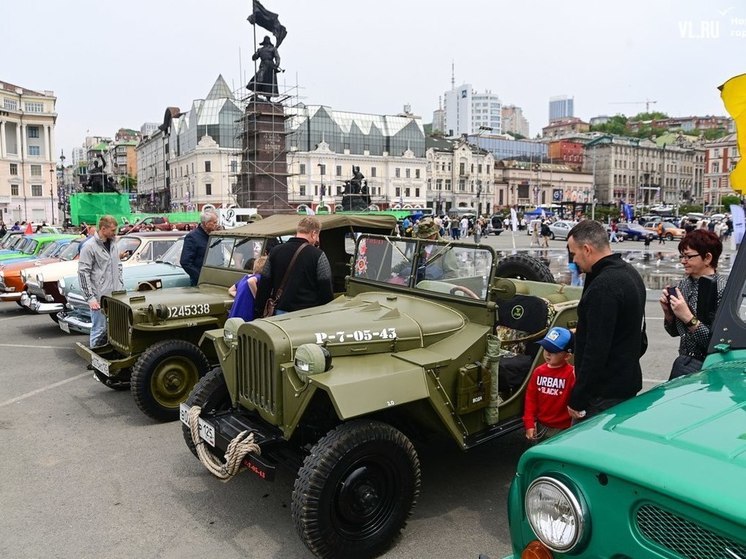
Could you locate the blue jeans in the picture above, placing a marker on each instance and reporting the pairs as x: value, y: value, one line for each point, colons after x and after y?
x: 98, y: 329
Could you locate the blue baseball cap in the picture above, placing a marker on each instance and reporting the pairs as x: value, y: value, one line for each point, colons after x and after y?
x: 557, y: 339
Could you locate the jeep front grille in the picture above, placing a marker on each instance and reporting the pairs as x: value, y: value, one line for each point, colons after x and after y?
x: 257, y: 378
x: 684, y: 537
x: 118, y: 316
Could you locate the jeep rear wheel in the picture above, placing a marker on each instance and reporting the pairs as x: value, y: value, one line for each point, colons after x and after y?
x: 356, y: 490
x: 164, y: 376
x: 211, y: 394
x: 522, y: 266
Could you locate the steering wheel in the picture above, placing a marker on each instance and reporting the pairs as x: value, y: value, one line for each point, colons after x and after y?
x: 465, y: 290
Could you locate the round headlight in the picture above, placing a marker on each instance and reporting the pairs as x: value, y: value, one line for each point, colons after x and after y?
x: 230, y: 330
x: 554, y: 513
x: 311, y: 359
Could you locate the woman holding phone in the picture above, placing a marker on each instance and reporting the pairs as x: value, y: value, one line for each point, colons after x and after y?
x: 689, y: 308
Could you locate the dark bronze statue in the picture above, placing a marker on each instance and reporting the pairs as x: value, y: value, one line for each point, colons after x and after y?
x: 98, y: 181
x: 264, y: 81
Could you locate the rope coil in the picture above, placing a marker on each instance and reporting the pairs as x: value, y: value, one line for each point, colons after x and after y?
x: 239, y: 447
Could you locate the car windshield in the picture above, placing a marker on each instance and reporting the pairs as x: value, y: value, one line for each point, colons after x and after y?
x: 29, y: 247
x: 173, y: 254
x: 70, y: 251
x: 127, y: 246
x: 459, y: 270
x: 232, y: 252
x: 53, y: 249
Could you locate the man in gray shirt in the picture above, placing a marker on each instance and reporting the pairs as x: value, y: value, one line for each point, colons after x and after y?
x: 100, y: 273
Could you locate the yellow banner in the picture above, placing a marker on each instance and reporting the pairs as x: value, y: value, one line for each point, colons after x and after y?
x: 733, y: 93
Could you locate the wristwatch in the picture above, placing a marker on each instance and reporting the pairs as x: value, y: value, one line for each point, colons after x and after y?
x: 693, y: 322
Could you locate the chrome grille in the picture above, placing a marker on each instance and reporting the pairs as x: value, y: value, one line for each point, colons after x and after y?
x: 684, y: 537
x: 117, y: 315
x: 257, y: 378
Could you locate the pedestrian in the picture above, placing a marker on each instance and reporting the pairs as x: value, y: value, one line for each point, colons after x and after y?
x: 244, y: 291
x: 613, y: 228
x: 689, y: 308
x: 609, y: 339
x: 535, y: 228
x: 548, y: 391
x: 99, y: 274
x: 477, y: 230
x: 455, y: 229
x: 546, y: 233
x: 3, y: 229
x: 464, y: 233
x: 195, y: 245
x: 309, y: 284
x: 661, y: 232
x: 16, y: 227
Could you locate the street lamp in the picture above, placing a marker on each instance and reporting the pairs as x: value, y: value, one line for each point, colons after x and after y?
x: 51, y: 192
x: 479, y: 197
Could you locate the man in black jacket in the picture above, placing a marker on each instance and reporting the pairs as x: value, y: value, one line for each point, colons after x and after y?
x: 195, y: 245
x: 608, y: 340
x: 309, y: 283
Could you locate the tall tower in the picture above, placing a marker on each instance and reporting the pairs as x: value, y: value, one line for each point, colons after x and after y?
x: 561, y: 107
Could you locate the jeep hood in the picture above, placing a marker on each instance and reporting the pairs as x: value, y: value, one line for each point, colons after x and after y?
x: 686, y: 437
x: 367, y: 323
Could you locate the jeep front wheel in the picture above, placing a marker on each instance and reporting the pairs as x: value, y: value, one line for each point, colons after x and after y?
x: 211, y: 394
x: 356, y: 490
x: 164, y: 375
x: 522, y: 266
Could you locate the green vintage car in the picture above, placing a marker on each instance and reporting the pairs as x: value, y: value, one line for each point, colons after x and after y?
x: 30, y: 246
x: 662, y: 475
x: 336, y: 393
x: 153, y: 335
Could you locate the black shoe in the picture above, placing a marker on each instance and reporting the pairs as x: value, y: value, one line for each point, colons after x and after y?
x: 89, y: 366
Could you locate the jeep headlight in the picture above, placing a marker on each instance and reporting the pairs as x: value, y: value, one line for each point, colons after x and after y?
x: 230, y: 330
x: 555, y: 514
x: 311, y: 359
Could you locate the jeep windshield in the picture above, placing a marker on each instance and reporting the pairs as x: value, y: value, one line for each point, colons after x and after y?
x: 232, y: 252
x: 462, y: 270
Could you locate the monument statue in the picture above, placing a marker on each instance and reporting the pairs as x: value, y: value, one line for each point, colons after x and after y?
x: 355, y: 196
x: 264, y: 81
x: 98, y: 181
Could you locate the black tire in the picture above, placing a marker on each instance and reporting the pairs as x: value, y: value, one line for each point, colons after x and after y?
x: 118, y: 385
x: 522, y: 266
x: 356, y: 490
x: 211, y: 394
x: 669, y: 237
x: 164, y: 376
x: 54, y: 318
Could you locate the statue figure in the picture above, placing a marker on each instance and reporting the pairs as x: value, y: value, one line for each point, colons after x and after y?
x: 356, y: 182
x: 264, y: 81
x: 97, y: 176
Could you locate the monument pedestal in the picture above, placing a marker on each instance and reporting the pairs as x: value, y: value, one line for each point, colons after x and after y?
x: 262, y: 183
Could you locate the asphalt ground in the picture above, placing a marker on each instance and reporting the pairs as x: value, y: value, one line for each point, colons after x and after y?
x: 84, y: 474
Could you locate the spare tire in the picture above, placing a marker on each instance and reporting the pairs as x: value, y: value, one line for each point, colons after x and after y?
x: 525, y: 267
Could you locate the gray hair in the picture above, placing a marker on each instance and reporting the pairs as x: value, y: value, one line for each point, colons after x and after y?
x: 589, y: 232
x: 208, y: 215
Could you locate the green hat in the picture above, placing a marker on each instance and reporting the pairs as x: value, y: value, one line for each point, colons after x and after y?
x: 427, y: 227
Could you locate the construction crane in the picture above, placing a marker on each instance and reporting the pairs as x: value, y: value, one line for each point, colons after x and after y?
x: 646, y: 102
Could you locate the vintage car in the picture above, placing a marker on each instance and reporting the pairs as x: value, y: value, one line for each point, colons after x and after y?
x: 560, y: 229
x: 636, y: 232
x: 164, y: 273
x: 154, y: 336
x: 31, y: 246
x: 13, y: 276
x: 658, y: 476
x: 42, y: 294
x: 670, y: 231
x: 335, y: 393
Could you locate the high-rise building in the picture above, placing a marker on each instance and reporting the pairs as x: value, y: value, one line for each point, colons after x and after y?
x: 28, y: 183
x: 468, y: 112
x: 561, y: 107
x: 514, y: 121
x: 439, y: 118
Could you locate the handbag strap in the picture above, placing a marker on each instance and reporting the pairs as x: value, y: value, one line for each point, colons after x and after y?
x: 280, y: 289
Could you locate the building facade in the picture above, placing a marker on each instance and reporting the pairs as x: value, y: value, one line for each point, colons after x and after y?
x: 324, y: 145
x: 568, y: 152
x: 561, y: 107
x: 514, y: 121
x: 459, y: 175
x: 721, y: 157
x: 468, y: 112
x: 565, y: 127
x: 530, y: 184
x: 150, y: 154
x: 28, y: 183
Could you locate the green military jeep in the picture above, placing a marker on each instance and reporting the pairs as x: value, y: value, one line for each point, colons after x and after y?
x: 334, y: 393
x: 662, y: 475
x: 153, y: 335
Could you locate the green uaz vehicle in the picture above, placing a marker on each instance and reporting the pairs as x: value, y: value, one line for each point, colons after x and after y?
x: 335, y: 393
x: 153, y: 333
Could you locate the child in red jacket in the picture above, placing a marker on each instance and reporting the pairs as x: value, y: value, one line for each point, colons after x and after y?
x: 545, y: 411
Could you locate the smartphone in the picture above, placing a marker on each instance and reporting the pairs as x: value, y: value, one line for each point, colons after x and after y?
x: 671, y: 291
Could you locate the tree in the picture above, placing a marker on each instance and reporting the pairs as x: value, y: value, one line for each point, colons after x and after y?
x: 730, y: 199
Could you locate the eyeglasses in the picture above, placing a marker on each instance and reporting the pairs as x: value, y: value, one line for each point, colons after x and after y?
x: 687, y: 257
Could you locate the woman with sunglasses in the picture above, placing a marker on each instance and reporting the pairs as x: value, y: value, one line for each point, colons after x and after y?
x: 684, y: 314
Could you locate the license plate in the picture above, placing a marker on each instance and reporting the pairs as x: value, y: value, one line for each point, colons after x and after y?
x: 100, y: 364
x: 64, y: 326
x: 206, y: 431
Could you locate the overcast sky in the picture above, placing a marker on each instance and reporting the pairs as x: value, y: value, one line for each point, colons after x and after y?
x: 119, y: 64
